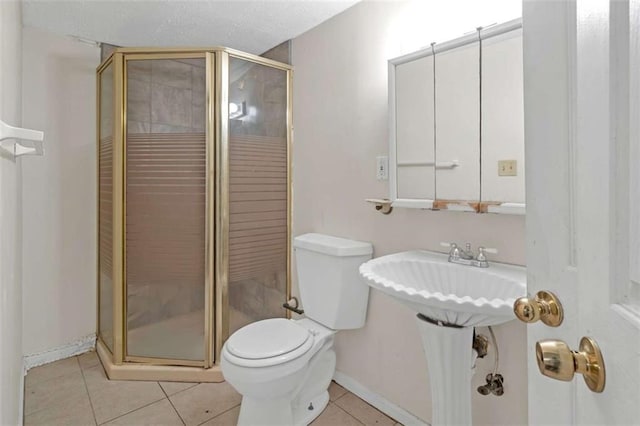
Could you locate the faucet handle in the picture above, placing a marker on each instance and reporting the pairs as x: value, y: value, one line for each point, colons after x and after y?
x: 481, y: 253
x: 453, y: 247
x: 488, y: 250
x: 454, y: 251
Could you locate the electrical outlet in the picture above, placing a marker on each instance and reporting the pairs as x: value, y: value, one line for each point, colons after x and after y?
x: 382, y: 167
x: 508, y: 168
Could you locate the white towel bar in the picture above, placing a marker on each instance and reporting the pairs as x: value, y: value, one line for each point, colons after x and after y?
x: 438, y: 165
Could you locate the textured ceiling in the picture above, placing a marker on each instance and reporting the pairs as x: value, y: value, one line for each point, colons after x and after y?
x: 250, y: 25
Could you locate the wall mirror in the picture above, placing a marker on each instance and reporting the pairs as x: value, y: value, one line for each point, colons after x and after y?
x: 457, y: 124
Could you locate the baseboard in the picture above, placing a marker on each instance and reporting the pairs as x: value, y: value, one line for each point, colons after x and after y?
x: 77, y: 347
x: 389, y: 408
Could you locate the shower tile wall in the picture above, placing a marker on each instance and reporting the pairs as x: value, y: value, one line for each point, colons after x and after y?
x: 166, y: 96
x: 265, y: 92
x: 106, y: 50
x: 280, y: 53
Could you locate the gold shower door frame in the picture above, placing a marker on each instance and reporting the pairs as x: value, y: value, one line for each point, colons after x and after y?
x: 216, y: 314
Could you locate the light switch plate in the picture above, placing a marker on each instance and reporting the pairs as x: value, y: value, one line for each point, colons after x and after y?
x: 507, y: 168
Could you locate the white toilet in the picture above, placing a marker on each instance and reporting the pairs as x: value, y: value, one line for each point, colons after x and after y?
x: 282, y: 368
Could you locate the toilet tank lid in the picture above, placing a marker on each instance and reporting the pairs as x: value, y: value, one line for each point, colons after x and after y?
x: 333, y: 246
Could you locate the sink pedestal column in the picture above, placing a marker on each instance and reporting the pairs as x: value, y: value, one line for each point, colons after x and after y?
x: 450, y: 361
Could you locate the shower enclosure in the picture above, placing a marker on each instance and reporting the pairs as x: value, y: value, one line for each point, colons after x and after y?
x: 194, y: 203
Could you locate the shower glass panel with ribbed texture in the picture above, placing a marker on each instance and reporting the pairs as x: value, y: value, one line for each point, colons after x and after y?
x: 105, y: 206
x: 165, y: 208
x: 258, y: 208
x: 194, y: 206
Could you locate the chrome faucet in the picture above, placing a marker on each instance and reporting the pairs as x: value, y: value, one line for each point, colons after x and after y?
x: 466, y: 256
x: 467, y: 253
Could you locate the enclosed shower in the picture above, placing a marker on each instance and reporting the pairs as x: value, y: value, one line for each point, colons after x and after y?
x: 194, y: 206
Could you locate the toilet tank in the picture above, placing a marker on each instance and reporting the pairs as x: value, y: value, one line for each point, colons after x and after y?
x: 331, y: 290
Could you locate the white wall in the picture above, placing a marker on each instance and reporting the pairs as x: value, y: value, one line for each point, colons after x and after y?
x: 340, y: 120
x: 10, y: 211
x: 59, y: 197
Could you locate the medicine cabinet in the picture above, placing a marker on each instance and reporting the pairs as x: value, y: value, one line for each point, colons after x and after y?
x: 457, y: 124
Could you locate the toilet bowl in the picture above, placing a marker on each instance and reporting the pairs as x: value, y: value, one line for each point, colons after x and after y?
x: 283, y: 368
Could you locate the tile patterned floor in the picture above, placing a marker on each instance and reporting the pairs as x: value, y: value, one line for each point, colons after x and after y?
x: 76, y: 391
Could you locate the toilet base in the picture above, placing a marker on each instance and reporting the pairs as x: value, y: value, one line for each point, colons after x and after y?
x: 278, y: 412
x: 319, y: 403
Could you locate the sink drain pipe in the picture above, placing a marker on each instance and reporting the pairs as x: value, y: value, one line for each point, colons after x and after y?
x: 495, y: 381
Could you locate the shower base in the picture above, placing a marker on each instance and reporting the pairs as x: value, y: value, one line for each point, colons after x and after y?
x: 167, y: 373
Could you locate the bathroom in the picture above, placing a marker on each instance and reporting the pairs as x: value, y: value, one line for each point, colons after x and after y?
x: 340, y: 116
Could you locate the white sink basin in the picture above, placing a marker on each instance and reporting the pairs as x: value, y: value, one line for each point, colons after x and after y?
x: 453, y: 294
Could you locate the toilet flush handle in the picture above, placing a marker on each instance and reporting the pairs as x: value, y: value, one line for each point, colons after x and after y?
x: 292, y: 305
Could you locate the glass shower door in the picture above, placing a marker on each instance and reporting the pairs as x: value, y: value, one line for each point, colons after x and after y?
x: 165, y: 209
x: 258, y: 192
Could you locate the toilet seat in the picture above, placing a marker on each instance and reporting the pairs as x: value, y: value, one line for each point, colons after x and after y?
x: 268, y: 342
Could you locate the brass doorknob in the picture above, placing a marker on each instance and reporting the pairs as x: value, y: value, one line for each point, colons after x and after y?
x: 544, y: 307
x: 558, y: 361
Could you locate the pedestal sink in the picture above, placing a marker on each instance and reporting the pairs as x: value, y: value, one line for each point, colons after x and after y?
x: 450, y: 300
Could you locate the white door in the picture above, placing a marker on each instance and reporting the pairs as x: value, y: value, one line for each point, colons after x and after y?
x: 582, y: 91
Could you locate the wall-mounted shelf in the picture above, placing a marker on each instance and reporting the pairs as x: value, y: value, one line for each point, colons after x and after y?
x: 457, y: 205
x: 507, y: 208
x: 383, y: 205
x: 18, y: 141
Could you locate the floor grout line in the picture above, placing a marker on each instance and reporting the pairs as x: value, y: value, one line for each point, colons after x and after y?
x: 215, y: 417
x: 354, y: 417
x: 24, y: 413
x: 39, y: 382
x: 376, y: 409
x: 171, y: 402
x: 93, y: 412
x: 26, y: 393
x: 340, y: 397
x: 182, y: 390
x: 341, y: 387
x: 129, y: 412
